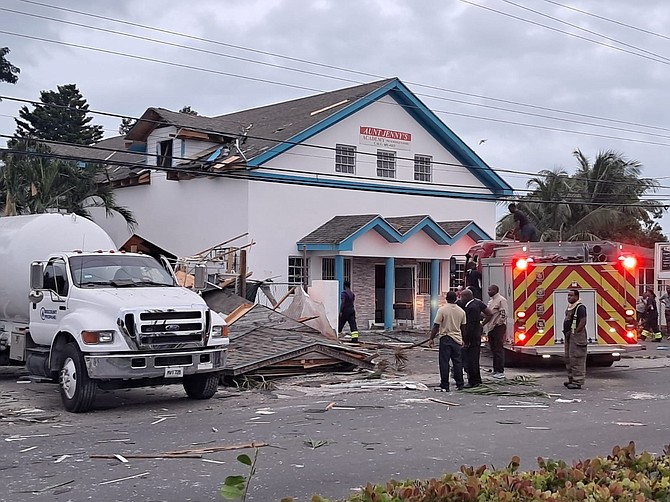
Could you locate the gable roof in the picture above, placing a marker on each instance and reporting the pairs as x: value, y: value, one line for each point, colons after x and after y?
x: 362, y: 96
x: 265, y: 132
x: 340, y: 232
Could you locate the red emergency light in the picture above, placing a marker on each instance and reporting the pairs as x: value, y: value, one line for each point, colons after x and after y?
x: 629, y: 262
x: 522, y: 263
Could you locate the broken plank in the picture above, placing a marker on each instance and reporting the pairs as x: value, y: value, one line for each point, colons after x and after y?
x: 213, y: 449
x: 238, y: 312
x: 149, y: 456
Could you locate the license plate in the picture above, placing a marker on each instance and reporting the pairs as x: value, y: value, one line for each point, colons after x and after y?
x: 174, y: 372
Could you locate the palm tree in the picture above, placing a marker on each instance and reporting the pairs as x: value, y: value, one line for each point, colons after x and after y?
x: 603, y: 200
x: 611, y: 190
x: 33, y: 181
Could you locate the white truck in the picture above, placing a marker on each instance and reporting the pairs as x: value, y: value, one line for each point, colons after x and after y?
x: 76, y: 311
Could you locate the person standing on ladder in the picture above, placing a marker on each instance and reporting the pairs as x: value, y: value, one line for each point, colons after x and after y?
x: 348, y: 312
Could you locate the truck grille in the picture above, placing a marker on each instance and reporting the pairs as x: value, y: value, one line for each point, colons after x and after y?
x: 170, y: 329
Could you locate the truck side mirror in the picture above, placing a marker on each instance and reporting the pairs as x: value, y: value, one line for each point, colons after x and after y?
x: 200, y: 277
x: 36, y: 276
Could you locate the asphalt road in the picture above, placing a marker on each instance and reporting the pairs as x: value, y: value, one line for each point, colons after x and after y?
x: 369, y: 434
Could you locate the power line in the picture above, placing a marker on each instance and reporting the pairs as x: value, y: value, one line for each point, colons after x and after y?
x: 574, y: 35
x: 190, y: 170
x: 244, y: 174
x: 584, y: 29
x: 636, y: 28
x: 289, y: 58
x: 232, y: 134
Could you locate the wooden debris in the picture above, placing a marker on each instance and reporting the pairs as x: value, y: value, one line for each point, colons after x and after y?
x: 147, y: 456
x: 283, y: 298
x: 214, y: 449
x: 238, y: 312
x: 124, y: 479
x: 447, y: 403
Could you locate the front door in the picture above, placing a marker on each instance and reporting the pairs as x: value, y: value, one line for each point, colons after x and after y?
x: 45, y: 316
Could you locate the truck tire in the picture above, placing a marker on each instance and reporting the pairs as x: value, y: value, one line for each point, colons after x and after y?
x: 77, y: 390
x: 202, y: 386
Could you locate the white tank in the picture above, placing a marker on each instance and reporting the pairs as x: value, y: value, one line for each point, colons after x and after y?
x: 24, y: 239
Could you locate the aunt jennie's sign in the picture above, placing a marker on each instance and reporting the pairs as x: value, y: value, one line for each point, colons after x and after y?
x: 385, y: 138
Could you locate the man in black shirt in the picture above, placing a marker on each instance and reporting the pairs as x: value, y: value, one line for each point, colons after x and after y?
x: 474, y: 310
x: 524, y: 231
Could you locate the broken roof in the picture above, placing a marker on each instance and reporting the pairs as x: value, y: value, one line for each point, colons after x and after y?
x: 260, y: 134
x: 339, y: 233
x: 111, y: 150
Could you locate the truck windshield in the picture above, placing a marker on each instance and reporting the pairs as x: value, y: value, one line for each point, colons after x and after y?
x: 118, y: 271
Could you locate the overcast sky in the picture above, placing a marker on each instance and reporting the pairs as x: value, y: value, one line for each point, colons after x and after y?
x: 535, y: 79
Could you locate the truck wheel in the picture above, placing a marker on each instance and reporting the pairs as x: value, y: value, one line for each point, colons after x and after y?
x: 201, y: 386
x: 77, y: 390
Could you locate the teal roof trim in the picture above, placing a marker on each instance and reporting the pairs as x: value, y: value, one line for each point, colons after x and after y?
x: 386, y: 230
x: 423, y: 115
x: 366, y: 187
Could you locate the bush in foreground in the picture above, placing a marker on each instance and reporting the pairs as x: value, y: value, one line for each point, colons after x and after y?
x: 621, y: 476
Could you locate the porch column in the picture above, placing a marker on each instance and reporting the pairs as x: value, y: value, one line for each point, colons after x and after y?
x: 339, y: 277
x: 389, y: 290
x: 434, y: 289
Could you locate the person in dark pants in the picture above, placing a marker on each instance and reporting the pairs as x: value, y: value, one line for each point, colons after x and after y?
x: 474, y: 310
x: 524, y: 231
x: 348, y: 312
x: 473, y: 280
x: 450, y: 324
x: 576, y: 341
x: 496, y: 327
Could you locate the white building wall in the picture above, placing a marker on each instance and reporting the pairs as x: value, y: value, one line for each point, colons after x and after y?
x: 183, y: 217
x: 280, y: 215
x: 384, y: 114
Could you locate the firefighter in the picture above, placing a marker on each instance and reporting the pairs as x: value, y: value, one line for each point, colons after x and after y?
x: 651, y: 330
x: 348, y: 312
x: 574, y: 329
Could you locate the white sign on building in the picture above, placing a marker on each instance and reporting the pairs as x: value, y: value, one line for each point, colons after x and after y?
x: 662, y: 261
x: 385, y: 138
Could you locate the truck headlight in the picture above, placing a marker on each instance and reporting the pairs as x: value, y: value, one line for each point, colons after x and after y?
x: 219, y: 331
x: 96, y: 337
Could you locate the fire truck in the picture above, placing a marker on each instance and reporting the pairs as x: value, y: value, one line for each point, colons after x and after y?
x: 535, y: 277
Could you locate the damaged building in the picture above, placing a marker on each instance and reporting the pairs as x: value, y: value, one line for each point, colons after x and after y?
x: 365, y: 184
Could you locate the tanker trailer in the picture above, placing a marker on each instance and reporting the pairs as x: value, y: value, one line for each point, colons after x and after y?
x: 76, y: 311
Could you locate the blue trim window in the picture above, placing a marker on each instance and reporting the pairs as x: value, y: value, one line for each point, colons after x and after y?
x: 423, y: 167
x: 328, y: 269
x: 385, y: 164
x: 345, y: 159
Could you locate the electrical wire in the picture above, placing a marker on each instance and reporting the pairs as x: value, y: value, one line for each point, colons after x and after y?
x: 304, y: 61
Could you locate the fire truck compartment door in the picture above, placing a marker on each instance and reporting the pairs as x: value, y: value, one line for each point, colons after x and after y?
x: 588, y: 298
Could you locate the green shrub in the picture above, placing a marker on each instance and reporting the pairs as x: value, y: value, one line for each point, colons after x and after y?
x: 622, y: 476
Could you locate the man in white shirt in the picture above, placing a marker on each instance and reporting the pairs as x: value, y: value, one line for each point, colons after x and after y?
x: 450, y: 324
x: 496, y: 327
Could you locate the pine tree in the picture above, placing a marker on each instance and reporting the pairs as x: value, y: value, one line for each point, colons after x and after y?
x: 126, y: 125
x: 61, y: 116
x: 8, y: 72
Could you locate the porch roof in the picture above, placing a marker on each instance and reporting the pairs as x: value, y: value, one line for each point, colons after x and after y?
x: 339, y: 233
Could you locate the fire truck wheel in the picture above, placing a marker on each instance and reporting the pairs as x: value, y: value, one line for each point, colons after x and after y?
x: 77, y: 390
x: 201, y: 386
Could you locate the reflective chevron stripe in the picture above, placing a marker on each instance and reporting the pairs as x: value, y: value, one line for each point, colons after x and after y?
x: 533, y: 293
